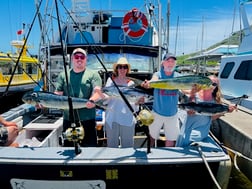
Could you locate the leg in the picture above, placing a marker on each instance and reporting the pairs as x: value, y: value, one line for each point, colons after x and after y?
x: 152, y: 142
x: 112, y: 133
x: 127, y: 134
x: 155, y: 128
x: 170, y: 143
x: 12, y: 135
x: 90, y: 138
x: 171, y: 129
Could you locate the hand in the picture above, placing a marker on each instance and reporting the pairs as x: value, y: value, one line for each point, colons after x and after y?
x: 90, y: 104
x: 10, y: 123
x: 145, y: 84
x: 191, y: 112
x: 39, y: 106
x: 195, y: 88
x: 231, y: 108
x: 140, y: 100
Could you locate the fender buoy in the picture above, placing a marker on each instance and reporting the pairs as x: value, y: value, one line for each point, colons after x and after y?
x: 133, y: 17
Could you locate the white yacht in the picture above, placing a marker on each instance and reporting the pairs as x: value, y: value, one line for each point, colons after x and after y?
x: 236, y: 70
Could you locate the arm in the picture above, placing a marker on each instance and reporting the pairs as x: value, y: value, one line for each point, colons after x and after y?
x: 96, y: 94
x: 146, y: 83
x: 7, y: 123
x: 60, y: 84
x: 231, y: 108
x: 58, y: 92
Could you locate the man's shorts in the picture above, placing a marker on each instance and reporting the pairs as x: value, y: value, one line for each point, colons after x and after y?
x: 3, y: 135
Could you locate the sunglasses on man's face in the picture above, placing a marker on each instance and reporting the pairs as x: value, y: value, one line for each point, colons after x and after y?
x: 122, y: 67
x: 82, y: 57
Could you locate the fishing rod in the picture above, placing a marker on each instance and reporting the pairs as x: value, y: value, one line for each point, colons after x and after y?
x: 21, y: 52
x: 72, y: 134
x: 239, y: 99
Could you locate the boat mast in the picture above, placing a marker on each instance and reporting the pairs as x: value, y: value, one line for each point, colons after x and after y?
x: 176, y: 39
x: 168, y: 24
x: 160, y: 41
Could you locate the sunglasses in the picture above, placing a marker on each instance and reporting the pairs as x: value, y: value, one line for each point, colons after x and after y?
x: 122, y: 67
x: 82, y: 57
x: 214, y: 84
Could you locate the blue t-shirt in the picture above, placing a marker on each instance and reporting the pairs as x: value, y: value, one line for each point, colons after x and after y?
x: 165, y: 101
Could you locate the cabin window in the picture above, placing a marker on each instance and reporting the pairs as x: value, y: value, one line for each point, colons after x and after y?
x: 138, y: 63
x: 8, y: 67
x: 19, y: 69
x: 31, y: 68
x: 227, y: 70
x: 244, y: 71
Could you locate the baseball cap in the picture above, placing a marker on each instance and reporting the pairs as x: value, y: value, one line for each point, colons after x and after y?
x: 169, y: 55
x: 80, y: 50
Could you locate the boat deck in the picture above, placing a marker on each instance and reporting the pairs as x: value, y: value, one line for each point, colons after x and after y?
x: 89, y: 155
x: 39, y: 141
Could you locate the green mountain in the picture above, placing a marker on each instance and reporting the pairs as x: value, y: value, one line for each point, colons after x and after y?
x: 234, y: 39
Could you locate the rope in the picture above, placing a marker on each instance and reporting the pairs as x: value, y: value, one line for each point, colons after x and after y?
x: 235, y: 163
x: 207, y: 165
x: 236, y: 154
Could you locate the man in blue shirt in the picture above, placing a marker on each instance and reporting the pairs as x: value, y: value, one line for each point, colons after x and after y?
x: 165, y: 108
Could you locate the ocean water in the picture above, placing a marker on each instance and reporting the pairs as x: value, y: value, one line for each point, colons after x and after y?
x: 238, y: 180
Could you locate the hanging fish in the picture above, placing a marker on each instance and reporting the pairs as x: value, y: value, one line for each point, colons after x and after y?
x: 131, y: 93
x: 51, y: 100
x: 205, y: 108
x: 182, y: 82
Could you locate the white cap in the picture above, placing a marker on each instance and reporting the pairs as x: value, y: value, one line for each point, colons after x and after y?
x: 80, y: 50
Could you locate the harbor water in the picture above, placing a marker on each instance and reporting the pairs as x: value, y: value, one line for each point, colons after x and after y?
x: 238, y: 180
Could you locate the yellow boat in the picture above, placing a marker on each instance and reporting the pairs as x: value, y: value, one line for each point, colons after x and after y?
x: 27, y: 72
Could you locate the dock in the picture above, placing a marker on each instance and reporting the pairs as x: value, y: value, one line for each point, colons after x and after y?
x: 234, y: 131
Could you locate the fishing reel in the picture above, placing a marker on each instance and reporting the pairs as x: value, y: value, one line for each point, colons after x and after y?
x: 144, y: 116
x: 72, y: 134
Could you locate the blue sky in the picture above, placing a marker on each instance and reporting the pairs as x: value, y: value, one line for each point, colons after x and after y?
x: 196, y: 24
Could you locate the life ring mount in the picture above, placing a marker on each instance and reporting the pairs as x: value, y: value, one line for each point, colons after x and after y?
x: 135, y: 17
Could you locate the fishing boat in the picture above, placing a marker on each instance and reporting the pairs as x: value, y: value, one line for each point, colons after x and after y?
x: 235, y: 73
x: 41, y: 161
x: 26, y: 73
x: 19, y: 73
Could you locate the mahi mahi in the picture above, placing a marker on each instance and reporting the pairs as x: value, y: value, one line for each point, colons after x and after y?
x: 51, y: 100
x: 205, y: 108
x: 182, y: 82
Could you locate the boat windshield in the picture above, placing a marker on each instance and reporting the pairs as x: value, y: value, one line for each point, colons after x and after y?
x: 138, y: 63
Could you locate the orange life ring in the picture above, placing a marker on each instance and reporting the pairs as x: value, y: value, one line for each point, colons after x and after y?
x: 132, y: 17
